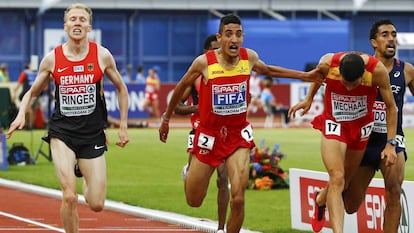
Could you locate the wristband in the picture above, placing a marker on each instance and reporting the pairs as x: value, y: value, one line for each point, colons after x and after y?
x: 163, y: 117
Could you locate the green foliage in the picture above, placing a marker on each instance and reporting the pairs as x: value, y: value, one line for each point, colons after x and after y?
x: 147, y: 173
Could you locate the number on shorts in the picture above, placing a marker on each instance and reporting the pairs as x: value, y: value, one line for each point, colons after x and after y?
x: 190, y: 144
x: 247, y: 133
x: 332, y: 128
x: 366, y: 130
x: 205, y: 141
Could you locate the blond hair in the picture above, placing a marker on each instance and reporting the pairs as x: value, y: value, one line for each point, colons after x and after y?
x: 78, y: 6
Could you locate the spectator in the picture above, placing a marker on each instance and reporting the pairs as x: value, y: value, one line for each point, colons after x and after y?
x: 140, y: 78
x: 152, y: 89
x: 4, y: 73
x: 270, y: 105
x: 25, y: 81
x: 255, y: 91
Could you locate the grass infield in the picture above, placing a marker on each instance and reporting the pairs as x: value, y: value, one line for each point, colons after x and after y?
x: 147, y: 173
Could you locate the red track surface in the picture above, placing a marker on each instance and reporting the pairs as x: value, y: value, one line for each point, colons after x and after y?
x: 27, y: 212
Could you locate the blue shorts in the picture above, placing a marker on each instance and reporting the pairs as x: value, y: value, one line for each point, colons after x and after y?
x: 372, y: 155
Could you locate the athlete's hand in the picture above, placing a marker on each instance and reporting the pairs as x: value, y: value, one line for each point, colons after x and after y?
x: 163, y: 130
x: 304, y: 105
x: 389, y: 155
x: 18, y: 123
x: 123, y: 137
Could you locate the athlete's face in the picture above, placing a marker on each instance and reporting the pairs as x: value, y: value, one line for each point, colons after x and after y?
x: 385, y: 43
x: 77, y: 23
x: 230, y: 39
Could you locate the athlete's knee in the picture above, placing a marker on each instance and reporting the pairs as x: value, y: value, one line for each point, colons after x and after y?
x: 222, y: 183
x: 237, y: 202
x: 70, y: 198
x: 96, y: 206
x: 194, y: 199
x: 350, y: 207
x: 336, y: 180
x: 393, y: 192
x: 194, y: 202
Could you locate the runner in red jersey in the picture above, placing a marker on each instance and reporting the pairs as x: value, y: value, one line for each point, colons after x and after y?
x: 224, y: 135
x: 352, y: 81
x: 191, y: 97
x: 76, y: 128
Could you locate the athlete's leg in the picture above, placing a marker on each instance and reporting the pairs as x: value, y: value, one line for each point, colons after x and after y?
x: 393, y: 178
x: 197, y: 181
x: 222, y: 195
x: 238, y: 169
x: 333, y: 156
x: 94, y: 185
x: 355, y: 193
x: 64, y: 159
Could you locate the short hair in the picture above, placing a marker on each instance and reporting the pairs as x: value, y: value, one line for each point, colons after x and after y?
x: 208, y: 41
x: 268, y: 81
x: 374, y: 28
x: 78, y: 6
x: 352, y: 67
x: 228, y: 19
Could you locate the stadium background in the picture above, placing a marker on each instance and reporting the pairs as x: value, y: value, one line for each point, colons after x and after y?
x: 169, y: 33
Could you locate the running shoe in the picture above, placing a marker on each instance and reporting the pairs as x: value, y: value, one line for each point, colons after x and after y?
x: 221, y: 231
x: 318, y: 219
x: 77, y: 171
x: 184, y: 172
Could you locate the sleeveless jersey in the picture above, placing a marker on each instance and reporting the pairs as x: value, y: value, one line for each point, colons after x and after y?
x: 223, y: 99
x: 343, y: 105
x: 397, y: 81
x: 80, y: 106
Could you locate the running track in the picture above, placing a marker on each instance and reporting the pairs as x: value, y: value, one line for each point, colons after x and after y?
x: 27, y: 208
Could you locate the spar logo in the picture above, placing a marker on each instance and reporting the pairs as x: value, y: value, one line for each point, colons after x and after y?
x: 371, y: 213
x: 308, y: 187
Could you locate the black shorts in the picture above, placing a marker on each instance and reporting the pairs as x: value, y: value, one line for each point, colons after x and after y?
x: 84, y: 149
x: 372, y: 155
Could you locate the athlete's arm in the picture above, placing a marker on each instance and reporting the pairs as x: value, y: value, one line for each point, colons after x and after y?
x: 381, y: 79
x: 306, y: 104
x: 196, y: 69
x: 107, y: 63
x: 182, y: 108
x: 409, y: 76
x: 41, y: 82
x: 277, y: 71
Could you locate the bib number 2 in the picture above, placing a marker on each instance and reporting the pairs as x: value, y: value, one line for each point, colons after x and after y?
x: 247, y: 133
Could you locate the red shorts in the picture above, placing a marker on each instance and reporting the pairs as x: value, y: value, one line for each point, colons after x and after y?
x: 151, y: 96
x: 214, y: 146
x: 354, y: 133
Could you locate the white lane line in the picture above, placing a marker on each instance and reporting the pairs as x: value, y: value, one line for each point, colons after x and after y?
x: 31, y: 222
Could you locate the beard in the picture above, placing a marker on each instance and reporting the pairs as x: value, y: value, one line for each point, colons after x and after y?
x: 388, y: 55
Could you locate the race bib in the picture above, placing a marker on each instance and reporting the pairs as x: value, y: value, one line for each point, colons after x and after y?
x: 332, y: 128
x: 229, y: 99
x: 190, y: 143
x: 348, y: 108
x: 205, y: 141
x: 77, y: 100
x: 247, y: 133
x: 380, y: 119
